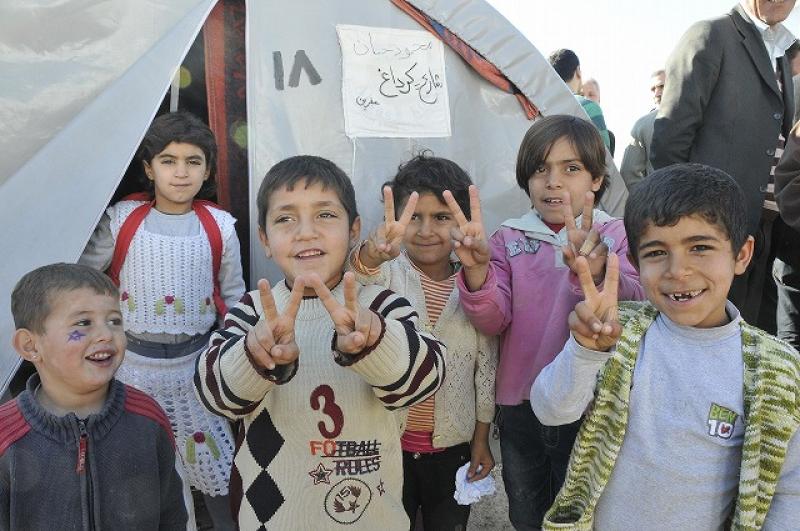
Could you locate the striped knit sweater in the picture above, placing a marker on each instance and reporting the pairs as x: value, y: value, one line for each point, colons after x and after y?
x: 772, y: 409
x: 320, y: 447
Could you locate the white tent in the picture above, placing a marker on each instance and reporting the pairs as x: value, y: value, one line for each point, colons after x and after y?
x: 82, y: 79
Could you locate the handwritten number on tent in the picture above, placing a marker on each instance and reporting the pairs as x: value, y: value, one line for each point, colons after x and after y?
x: 301, y: 62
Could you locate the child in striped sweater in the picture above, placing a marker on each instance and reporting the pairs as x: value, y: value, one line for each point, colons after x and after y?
x: 450, y: 428
x: 316, y: 367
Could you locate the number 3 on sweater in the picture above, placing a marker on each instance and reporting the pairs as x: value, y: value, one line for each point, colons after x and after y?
x: 330, y: 408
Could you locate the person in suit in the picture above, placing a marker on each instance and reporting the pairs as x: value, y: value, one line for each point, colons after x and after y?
x: 728, y: 103
x: 786, y: 269
x: 636, y: 160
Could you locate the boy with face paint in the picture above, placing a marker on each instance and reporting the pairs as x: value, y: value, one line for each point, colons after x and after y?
x: 62, y: 440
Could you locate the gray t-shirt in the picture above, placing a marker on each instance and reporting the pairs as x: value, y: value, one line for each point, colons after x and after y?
x: 678, y: 467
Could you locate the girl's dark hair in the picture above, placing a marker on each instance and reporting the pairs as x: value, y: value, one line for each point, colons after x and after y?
x: 583, y: 136
x: 310, y: 170
x: 428, y: 174
x: 184, y: 128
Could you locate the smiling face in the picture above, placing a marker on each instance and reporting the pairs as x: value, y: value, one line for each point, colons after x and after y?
x: 562, y: 173
x: 427, y: 239
x: 687, y: 269
x: 307, y: 231
x: 178, y: 173
x: 771, y: 12
x: 80, y: 348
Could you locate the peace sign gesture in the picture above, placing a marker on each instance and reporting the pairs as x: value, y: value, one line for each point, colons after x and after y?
x: 357, y: 328
x: 584, y: 241
x: 271, y: 340
x: 469, y: 238
x: 594, y: 320
x: 384, y: 242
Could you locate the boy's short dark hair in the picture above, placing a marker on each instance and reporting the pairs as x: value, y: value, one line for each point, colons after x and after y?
x: 31, y: 298
x: 539, y: 140
x: 428, y: 174
x: 684, y: 190
x: 288, y: 172
x: 184, y: 128
x: 565, y: 63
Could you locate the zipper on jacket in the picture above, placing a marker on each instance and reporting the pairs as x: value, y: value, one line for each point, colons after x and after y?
x: 82, y: 443
x: 83, y: 468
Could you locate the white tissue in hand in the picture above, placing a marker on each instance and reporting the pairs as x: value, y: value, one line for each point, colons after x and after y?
x: 468, y: 493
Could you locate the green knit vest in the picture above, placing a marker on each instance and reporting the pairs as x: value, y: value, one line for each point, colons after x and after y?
x: 771, y: 405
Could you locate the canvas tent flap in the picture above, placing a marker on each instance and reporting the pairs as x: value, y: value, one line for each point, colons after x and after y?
x: 505, y: 47
x: 306, y: 117
x: 88, y: 77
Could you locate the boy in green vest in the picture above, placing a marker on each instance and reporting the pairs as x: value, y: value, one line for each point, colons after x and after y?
x: 692, y: 413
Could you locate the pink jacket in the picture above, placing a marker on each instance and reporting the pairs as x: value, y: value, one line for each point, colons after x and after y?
x: 528, y: 294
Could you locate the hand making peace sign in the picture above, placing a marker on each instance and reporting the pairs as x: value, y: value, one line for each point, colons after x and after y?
x: 271, y: 340
x: 594, y: 320
x: 384, y: 242
x: 356, y: 328
x: 584, y: 241
x: 469, y: 239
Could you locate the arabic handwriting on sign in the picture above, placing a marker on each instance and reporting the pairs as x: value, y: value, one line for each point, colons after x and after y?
x: 363, y: 48
x: 425, y: 87
x: 365, y: 103
x: 393, y: 86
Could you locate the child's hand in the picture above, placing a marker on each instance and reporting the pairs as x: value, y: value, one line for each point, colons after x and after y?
x: 481, y: 460
x: 357, y: 328
x: 469, y: 239
x: 384, y: 242
x: 594, y: 321
x: 584, y: 241
x: 271, y: 340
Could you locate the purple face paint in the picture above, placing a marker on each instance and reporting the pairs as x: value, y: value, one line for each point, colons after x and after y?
x: 75, y: 335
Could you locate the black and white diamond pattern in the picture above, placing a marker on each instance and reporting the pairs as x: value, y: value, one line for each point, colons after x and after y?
x: 263, y: 441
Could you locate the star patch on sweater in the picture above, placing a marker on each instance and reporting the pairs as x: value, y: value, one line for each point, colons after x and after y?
x: 321, y: 474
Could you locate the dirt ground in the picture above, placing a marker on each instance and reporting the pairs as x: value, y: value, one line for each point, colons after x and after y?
x: 491, y: 513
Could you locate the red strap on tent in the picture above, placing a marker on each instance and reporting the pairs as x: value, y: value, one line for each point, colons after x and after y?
x: 132, y: 223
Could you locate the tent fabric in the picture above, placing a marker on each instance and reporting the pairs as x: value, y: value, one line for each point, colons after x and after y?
x: 494, y: 38
x: 226, y: 93
x: 88, y: 78
x: 479, y: 63
x: 487, y: 126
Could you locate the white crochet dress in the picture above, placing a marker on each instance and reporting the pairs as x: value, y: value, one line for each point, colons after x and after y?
x: 166, y: 287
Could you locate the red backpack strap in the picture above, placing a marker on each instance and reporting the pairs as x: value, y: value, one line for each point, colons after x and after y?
x: 201, y: 208
x: 126, y: 233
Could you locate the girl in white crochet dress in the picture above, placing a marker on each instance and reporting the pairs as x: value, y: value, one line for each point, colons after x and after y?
x: 176, y: 261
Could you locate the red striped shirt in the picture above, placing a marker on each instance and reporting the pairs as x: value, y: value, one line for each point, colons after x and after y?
x: 418, y: 436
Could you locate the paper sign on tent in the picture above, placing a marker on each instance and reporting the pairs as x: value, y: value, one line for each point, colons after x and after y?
x: 393, y: 83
